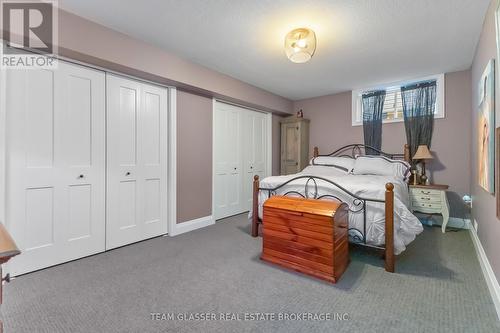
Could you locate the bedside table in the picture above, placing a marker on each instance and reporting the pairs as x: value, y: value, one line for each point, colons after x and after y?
x: 430, y: 199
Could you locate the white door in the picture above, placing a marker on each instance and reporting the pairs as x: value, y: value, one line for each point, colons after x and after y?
x: 55, y: 164
x: 254, y: 151
x: 228, y: 199
x: 136, y: 170
x: 240, y: 152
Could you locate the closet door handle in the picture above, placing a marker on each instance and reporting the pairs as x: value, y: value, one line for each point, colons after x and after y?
x: 128, y: 173
x: 81, y: 177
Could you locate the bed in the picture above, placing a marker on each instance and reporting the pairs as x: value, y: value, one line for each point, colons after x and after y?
x: 374, y: 186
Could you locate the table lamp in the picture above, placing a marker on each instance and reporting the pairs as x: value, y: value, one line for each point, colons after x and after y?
x: 8, y: 249
x: 423, y: 154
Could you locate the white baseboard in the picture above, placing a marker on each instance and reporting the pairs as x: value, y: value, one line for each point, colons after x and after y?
x: 453, y: 222
x: 459, y: 223
x: 198, y: 223
x: 488, y: 273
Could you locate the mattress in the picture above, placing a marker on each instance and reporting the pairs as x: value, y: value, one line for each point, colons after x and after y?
x: 406, y: 225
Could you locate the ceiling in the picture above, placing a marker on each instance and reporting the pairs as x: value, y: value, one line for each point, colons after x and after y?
x: 360, y: 43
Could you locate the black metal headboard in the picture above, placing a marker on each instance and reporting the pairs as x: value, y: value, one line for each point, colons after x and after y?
x: 357, y: 149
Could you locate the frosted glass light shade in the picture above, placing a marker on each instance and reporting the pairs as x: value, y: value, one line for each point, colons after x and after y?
x: 300, y: 45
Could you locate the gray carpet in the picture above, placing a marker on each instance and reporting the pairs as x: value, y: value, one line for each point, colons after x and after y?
x: 438, y: 287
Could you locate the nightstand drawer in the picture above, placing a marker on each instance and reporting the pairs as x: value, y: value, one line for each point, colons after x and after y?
x: 419, y: 192
x: 426, y: 199
x: 428, y: 205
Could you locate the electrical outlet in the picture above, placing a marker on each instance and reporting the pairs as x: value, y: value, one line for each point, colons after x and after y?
x: 475, y: 225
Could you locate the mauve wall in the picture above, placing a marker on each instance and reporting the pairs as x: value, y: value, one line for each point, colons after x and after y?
x: 483, y: 207
x: 87, y: 41
x: 194, y: 156
x: 331, y: 128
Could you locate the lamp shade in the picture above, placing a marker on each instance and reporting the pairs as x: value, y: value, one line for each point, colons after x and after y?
x: 300, y: 45
x: 423, y: 153
x: 8, y: 247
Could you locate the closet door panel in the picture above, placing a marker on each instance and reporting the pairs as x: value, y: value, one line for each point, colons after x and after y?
x: 248, y: 132
x: 152, y: 156
x: 227, y: 161
x: 137, y: 166
x: 39, y: 115
x: 124, y: 188
x: 53, y: 215
x: 233, y: 185
x: 81, y: 103
x: 221, y: 164
x: 151, y: 119
x: 80, y: 213
x: 125, y: 120
x: 126, y: 212
x: 79, y: 120
x: 33, y: 173
x: 240, y: 152
x: 254, y: 150
x: 259, y: 144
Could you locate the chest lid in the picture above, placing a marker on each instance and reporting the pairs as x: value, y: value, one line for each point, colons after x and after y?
x: 311, y: 206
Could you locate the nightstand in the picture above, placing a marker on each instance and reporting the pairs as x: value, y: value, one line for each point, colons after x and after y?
x: 430, y: 199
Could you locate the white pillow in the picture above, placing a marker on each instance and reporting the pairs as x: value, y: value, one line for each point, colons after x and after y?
x: 380, y: 166
x: 346, y: 163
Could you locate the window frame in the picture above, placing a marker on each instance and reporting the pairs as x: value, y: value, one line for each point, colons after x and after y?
x: 357, y: 110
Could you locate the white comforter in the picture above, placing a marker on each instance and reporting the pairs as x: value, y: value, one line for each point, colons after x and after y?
x: 406, y: 225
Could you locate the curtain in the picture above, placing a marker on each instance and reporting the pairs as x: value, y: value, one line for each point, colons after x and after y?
x: 373, y: 104
x: 419, y: 104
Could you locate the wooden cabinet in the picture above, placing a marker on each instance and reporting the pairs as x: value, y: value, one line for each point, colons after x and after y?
x: 306, y: 235
x: 294, y: 145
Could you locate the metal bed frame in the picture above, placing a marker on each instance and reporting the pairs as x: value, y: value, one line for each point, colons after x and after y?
x: 359, y: 203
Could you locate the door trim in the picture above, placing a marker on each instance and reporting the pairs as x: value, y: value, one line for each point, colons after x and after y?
x: 172, y: 161
x: 269, y: 134
x: 3, y: 146
x: 214, y: 103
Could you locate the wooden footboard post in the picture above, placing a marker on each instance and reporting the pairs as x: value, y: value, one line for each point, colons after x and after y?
x: 315, y: 152
x: 255, y: 207
x: 389, y: 227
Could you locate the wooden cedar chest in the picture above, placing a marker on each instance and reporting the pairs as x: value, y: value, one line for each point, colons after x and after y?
x: 306, y: 235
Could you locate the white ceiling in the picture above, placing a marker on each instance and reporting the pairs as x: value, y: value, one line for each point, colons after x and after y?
x: 360, y: 43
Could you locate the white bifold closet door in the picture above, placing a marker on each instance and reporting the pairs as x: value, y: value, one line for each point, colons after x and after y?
x: 136, y: 161
x: 240, y: 152
x: 55, y: 161
x: 255, y: 152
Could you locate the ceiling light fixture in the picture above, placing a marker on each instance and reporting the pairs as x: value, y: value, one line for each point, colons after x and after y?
x: 300, y: 45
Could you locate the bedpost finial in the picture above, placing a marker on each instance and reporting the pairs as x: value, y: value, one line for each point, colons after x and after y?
x: 389, y: 187
x: 256, y: 177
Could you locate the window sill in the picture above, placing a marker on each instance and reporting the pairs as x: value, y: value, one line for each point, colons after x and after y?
x: 391, y: 121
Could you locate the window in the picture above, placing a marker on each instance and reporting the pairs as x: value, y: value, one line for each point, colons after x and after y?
x: 393, y: 104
